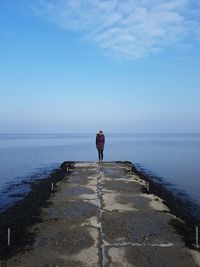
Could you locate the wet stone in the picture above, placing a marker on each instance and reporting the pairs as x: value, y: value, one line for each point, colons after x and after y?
x: 157, y: 257
x: 79, y: 210
x: 46, y: 261
x: 79, y: 180
x: 73, y: 211
x: 112, y: 174
x: 136, y: 227
x: 120, y: 186
x: 138, y: 201
x: 74, y: 240
x: 60, y: 263
x: 78, y: 191
x: 65, y: 239
x: 115, y: 173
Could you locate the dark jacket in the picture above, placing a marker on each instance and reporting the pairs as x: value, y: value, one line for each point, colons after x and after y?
x: 100, y: 141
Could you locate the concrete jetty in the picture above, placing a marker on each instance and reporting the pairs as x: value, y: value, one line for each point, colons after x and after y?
x: 99, y: 216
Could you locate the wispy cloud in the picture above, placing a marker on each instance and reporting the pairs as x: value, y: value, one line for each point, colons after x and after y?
x: 129, y: 29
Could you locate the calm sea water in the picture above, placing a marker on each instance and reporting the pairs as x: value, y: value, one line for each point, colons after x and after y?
x: 173, y: 157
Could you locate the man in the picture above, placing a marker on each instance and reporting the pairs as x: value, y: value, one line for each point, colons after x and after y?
x: 100, y: 141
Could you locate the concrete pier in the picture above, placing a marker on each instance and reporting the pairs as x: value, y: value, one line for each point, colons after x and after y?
x: 99, y: 216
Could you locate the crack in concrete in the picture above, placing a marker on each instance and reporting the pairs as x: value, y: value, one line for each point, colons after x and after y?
x: 104, y: 259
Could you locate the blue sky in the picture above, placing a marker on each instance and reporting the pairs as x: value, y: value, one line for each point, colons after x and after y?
x: 84, y: 65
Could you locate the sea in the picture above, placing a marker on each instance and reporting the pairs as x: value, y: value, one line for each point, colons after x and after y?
x: 173, y: 159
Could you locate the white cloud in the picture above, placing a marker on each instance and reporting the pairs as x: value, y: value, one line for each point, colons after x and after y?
x: 128, y: 29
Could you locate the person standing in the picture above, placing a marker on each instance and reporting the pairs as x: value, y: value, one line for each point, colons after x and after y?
x: 100, y: 141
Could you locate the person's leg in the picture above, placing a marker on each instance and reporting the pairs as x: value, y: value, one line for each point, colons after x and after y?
x: 99, y: 153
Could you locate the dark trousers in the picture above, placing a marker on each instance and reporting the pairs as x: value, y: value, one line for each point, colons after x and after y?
x: 100, y: 152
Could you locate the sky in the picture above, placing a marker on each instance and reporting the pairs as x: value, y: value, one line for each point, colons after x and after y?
x: 78, y: 66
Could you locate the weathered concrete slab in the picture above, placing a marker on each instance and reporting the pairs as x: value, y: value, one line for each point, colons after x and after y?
x: 100, y: 217
x: 141, y: 256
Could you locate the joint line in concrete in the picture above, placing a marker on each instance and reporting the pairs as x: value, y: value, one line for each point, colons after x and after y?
x: 104, y: 259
